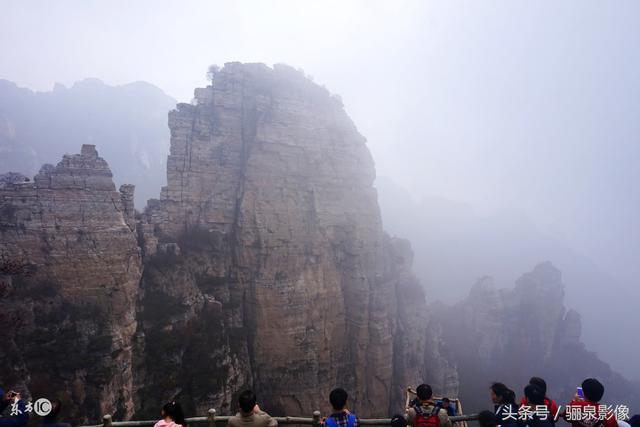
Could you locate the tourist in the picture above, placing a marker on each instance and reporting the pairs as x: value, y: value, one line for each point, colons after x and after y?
x: 505, y: 407
x: 487, y: 419
x: 172, y: 416
x: 592, y: 392
x: 398, y: 421
x: 445, y: 404
x: 250, y: 414
x: 426, y: 413
x: 13, y: 400
x: 341, y: 416
x: 534, y: 412
x: 551, y: 405
x: 51, y: 419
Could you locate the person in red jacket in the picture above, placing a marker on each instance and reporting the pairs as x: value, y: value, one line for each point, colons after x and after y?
x: 551, y: 405
x: 592, y: 391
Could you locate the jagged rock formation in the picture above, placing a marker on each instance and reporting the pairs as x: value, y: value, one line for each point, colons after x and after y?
x: 128, y: 123
x: 70, y: 273
x: 265, y: 266
x: 446, y: 235
x: 419, y: 350
x: 509, y: 335
x: 265, y: 256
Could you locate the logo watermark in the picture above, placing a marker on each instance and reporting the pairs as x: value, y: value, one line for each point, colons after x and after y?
x: 41, y: 407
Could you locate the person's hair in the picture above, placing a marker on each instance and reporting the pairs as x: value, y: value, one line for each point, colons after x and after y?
x: 338, y: 398
x: 247, y: 401
x: 634, y: 421
x: 398, y: 421
x: 56, y: 407
x: 424, y: 392
x: 173, y: 410
x: 592, y: 389
x: 487, y: 419
x: 540, y: 383
x: 445, y: 399
x: 534, y: 394
x: 505, y: 393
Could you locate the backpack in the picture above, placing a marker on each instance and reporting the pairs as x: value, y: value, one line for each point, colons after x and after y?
x: 426, y: 419
x: 331, y: 422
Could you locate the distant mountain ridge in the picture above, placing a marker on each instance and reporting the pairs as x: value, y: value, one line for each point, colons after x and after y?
x: 128, y: 123
x: 455, y: 245
x: 510, y: 335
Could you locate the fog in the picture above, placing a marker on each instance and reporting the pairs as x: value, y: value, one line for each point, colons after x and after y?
x: 528, y: 108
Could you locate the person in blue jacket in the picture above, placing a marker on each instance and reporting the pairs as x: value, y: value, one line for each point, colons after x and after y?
x: 17, y: 415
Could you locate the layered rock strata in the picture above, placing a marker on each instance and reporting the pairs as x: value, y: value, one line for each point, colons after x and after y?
x: 265, y: 267
x: 70, y: 273
x: 266, y: 263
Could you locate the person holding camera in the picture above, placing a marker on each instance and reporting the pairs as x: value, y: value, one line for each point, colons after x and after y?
x: 18, y: 415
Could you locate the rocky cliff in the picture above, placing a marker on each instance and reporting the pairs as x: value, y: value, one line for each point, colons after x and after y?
x: 265, y: 266
x: 266, y: 263
x: 69, y: 276
x: 510, y: 335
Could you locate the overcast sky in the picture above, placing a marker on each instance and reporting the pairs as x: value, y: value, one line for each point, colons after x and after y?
x: 531, y: 106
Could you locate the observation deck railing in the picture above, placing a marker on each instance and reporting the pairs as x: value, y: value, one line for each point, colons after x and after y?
x: 213, y: 420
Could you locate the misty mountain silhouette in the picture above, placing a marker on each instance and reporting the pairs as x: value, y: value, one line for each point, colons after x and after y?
x: 128, y: 123
x: 455, y: 245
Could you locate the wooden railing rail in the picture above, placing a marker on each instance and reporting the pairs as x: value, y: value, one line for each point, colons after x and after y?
x: 212, y: 420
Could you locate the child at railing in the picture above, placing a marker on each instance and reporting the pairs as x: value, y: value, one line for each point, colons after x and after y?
x: 172, y: 416
x: 341, y: 416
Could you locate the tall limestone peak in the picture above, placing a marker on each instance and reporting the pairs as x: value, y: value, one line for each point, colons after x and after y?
x: 267, y: 245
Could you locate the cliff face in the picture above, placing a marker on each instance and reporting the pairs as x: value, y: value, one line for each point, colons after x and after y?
x: 70, y: 273
x: 510, y: 335
x: 420, y: 353
x: 266, y: 263
x: 265, y: 266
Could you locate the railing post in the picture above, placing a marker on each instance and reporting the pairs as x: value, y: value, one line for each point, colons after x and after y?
x: 211, y: 417
x: 316, y: 418
x: 106, y: 421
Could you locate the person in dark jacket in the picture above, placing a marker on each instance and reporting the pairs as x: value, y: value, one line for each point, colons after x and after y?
x: 398, y: 421
x: 505, y: 407
x: 51, y: 419
x: 18, y: 415
x: 534, y: 399
x: 487, y: 419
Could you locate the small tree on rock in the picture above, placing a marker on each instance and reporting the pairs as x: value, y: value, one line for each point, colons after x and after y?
x: 212, y: 71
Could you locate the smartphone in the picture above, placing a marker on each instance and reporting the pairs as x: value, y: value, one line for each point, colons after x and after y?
x: 580, y: 393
